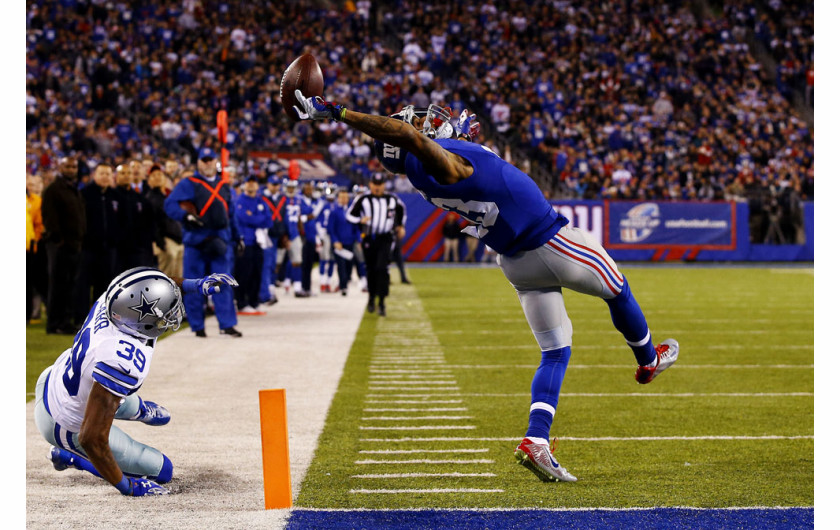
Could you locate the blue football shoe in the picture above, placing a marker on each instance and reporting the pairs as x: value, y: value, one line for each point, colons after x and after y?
x: 60, y: 458
x: 153, y: 414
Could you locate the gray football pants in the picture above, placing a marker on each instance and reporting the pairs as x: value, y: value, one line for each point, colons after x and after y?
x: 132, y: 456
x: 572, y: 259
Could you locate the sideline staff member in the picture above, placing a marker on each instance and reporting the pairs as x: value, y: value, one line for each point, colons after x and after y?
x: 381, y: 216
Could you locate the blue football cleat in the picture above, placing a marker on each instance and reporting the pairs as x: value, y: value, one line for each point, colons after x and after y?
x: 153, y: 414
x: 60, y: 458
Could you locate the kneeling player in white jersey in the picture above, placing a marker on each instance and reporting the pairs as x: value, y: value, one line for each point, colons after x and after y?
x: 97, y: 379
x: 538, y: 250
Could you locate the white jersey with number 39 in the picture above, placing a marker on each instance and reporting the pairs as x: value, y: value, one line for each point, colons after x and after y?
x: 100, y: 354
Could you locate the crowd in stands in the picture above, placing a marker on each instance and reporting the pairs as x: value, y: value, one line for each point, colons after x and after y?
x: 635, y: 99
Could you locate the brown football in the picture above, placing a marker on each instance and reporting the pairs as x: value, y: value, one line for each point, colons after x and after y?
x: 189, y: 207
x: 303, y: 74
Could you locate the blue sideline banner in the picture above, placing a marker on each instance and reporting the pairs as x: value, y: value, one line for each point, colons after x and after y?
x: 650, y: 225
x: 637, y: 231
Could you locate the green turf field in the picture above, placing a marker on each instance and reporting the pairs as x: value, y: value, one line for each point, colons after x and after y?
x: 435, y: 398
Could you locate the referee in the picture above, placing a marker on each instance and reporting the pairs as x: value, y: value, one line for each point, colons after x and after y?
x: 381, y: 217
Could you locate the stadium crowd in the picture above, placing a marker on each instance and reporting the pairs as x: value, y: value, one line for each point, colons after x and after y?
x: 627, y: 100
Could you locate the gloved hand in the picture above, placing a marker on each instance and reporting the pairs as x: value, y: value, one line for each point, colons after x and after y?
x: 193, y: 222
x: 140, y: 487
x: 213, y: 284
x: 316, y: 108
x: 209, y: 284
x: 240, y: 247
x: 467, y: 126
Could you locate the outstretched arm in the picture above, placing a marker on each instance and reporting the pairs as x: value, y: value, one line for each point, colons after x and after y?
x: 444, y: 165
x: 447, y: 167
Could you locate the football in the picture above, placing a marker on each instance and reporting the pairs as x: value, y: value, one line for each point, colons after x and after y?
x: 189, y: 207
x: 303, y: 74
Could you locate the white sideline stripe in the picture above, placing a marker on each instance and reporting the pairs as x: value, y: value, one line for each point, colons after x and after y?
x: 414, y: 401
x: 405, y: 362
x: 419, y: 428
x: 450, y: 392
x: 505, y: 330
x: 409, y: 376
x: 449, y: 389
x: 410, y: 418
x: 432, y: 409
x: 405, y: 355
x: 400, y: 371
x: 425, y: 461
x: 403, y: 382
x: 630, y: 366
x: 434, y: 490
x: 412, y: 451
x: 596, y: 439
x: 639, y: 394
x: 577, y: 509
x: 418, y: 475
x: 620, y: 347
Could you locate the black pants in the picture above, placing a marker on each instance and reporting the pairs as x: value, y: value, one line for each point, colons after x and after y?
x: 306, y: 263
x: 63, y: 271
x: 30, y: 283
x: 139, y: 256
x: 248, y: 272
x: 377, y: 250
x: 344, y: 268
x: 398, y: 259
x: 97, y: 269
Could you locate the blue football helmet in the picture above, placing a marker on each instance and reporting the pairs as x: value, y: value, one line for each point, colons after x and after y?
x: 433, y: 121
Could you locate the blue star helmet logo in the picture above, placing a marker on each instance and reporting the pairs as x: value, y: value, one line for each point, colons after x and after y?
x: 145, y: 307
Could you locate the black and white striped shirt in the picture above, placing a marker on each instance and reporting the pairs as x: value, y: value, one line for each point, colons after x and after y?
x: 385, y: 213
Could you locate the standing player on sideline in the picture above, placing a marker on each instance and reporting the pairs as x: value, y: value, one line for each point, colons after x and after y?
x: 326, y: 259
x: 97, y: 379
x: 275, y: 200
x: 294, y: 248
x: 540, y: 253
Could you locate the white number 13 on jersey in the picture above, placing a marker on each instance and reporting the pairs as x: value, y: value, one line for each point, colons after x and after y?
x: 482, y: 213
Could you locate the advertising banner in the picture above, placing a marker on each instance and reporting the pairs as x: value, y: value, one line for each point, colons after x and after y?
x: 653, y: 225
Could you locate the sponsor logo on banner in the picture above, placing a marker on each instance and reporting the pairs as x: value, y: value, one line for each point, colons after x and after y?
x: 700, y: 225
x: 639, y: 223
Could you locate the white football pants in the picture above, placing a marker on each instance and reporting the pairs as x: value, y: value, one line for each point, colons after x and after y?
x: 132, y: 456
x: 572, y: 259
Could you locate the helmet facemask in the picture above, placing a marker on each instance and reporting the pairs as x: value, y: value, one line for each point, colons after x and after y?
x: 434, y: 120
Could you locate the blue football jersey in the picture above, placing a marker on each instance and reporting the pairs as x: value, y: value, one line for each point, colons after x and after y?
x: 508, y: 210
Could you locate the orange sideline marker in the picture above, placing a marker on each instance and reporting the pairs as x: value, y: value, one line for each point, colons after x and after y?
x: 277, y: 474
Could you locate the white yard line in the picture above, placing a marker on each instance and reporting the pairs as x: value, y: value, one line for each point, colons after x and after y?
x: 430, y: 409
x: 629, y: 366
x: 414, y: 401
x: 590, y: 439
x: 424, y: 461
x: 412, y: 451
x: 656, y: 395
x: 420, y: 428
x: 422, y: 475
x: 431, y: 490
x: 412, y: 418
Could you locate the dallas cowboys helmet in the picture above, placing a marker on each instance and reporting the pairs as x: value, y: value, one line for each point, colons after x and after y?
x: 435, y: 123
x: 144, y: 302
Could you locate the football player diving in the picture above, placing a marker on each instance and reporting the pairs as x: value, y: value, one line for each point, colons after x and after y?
x: 539, y: 252
x: 96, y: 380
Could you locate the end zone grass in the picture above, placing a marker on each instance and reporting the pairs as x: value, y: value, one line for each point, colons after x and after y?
x: 719, y: 429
